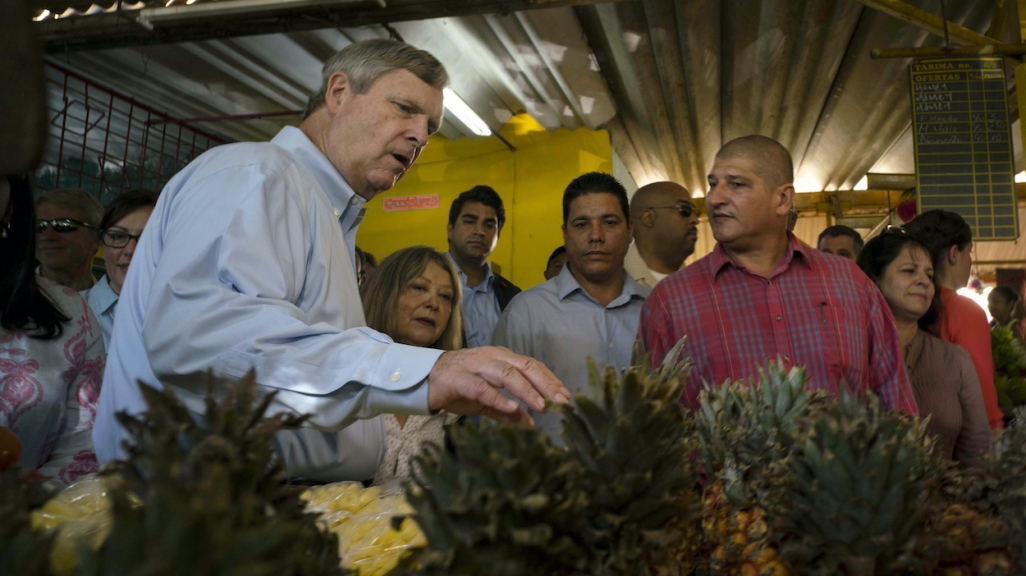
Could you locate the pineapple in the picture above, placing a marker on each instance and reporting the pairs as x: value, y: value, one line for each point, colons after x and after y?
x: 620, y: 499
x: 746, y: 434
x: 983, y: 528
x: 210, y: 495
x: 23, y: 551
x: 864, y: 480
x: 634, y: 442
x: 501, y: 505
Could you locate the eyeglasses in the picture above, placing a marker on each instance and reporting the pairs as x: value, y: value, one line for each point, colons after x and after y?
x: 61, y: 225
x: 117, y: 238
x: 685, y: 210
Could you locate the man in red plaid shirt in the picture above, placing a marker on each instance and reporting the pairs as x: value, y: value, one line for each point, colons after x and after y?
x: 761, y: 294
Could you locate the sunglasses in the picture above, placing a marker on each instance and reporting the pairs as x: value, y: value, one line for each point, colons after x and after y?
x: 894, y: 231
x: 685, y: 210
x: 60, y: 225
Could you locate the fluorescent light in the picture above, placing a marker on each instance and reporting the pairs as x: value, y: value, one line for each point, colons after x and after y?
x: 42, y: 15
x: 1021, y: 176
x: 458, y: 107
x: 863, y: 184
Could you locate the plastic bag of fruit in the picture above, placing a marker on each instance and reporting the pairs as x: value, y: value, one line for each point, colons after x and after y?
x: 81, y: 515
x: 362, y: 520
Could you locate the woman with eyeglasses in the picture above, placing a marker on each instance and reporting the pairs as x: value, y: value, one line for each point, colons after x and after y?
x: 51, y: 351
x: 943, y: 377
x: 120, y: 228
x: 414, y: 298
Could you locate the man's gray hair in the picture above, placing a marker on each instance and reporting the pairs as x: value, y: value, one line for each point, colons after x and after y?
x: 88, y: 208
x: 364, y: 62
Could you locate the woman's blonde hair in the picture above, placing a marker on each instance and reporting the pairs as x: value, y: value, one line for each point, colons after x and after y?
x: 393, y: 277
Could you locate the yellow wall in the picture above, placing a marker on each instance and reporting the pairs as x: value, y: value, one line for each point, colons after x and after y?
x: 530, y: 181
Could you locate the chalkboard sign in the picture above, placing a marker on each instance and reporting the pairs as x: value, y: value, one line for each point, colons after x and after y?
x: 963, y: 143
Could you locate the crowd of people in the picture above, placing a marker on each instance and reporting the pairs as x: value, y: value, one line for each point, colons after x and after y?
x: 247, y: 259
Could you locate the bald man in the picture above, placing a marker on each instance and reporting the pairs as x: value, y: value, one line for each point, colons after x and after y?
x: 761, y: 294
x: 665, y: 231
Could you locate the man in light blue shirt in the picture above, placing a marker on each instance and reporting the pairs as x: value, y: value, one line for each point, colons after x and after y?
x: 592, y: 308
x: 248, y: 262
x: 476, y: 219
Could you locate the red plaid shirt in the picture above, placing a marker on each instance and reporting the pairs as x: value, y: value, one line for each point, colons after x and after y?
x: 815, y: 310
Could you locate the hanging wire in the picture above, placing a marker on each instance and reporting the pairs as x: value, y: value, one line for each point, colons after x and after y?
x: 944, y: 18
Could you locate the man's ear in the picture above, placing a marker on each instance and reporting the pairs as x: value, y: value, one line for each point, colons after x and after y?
x: 338, y: 90
x: 785, y: 194
x: 630, y: 230
x: 647, y: 217
x: 448, y: 231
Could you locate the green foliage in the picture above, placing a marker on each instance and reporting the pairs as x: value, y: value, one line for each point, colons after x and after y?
x: 1009, y: 355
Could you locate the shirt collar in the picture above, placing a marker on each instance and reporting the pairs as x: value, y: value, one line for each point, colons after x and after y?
x: 103, y: 295
x: 483, y: 286
x: 567, y: 284
x: 719, y: 258
x: 348, y: 205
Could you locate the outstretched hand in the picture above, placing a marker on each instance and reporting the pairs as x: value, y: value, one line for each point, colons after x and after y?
x: 469, y: 382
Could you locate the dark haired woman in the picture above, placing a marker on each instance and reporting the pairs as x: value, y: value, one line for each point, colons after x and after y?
x: 949, y: 238
x: 120, y: 228
x: 51, y: 352
x: 943, y: 378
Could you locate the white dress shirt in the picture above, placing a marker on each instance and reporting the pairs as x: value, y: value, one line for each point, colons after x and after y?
x: 248, y: 262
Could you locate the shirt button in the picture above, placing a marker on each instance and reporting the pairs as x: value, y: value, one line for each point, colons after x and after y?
x: 354, y: 201
x: 778, y: 317
x: 337, y: 213
x: 395, y: 376
x: 610, y: 345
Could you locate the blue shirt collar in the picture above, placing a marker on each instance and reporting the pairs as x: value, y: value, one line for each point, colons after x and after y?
x: 483, y: 286
x: 102, y: 295
x: 567, y: 284
x: 348, y: 205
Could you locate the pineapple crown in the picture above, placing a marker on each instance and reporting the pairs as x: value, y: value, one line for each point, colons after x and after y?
x: 860, y: 473
x: 507, y: 501
x: 202, y: 495
x: 500, y: 503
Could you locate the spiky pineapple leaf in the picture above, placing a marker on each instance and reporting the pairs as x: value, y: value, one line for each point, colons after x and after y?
x: 209, y: 488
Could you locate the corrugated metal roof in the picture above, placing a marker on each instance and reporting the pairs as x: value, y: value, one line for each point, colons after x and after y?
x: 670, y: 79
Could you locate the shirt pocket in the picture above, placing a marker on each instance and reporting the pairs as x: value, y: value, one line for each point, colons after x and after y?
x: 831, y: 346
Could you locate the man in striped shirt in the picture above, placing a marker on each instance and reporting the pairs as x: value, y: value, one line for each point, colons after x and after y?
x: 761, y: 294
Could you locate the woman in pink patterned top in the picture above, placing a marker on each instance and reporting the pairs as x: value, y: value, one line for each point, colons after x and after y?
x: 51, y: 350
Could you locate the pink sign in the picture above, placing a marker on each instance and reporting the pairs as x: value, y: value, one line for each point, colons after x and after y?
x: 401, y: 203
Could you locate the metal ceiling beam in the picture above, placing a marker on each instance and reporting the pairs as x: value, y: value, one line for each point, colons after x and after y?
x: 186, y: 24
x: 929, y: 22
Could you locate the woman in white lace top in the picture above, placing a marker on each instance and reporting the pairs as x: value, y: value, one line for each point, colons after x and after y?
x: 414, y: 297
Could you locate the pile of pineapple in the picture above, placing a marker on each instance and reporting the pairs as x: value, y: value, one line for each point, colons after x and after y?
x: 767, y: 478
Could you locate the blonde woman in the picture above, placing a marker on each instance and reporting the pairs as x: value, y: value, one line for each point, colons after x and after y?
x: 414, y: 297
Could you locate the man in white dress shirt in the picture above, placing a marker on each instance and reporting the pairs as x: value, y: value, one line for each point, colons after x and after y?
x: 248, y: 262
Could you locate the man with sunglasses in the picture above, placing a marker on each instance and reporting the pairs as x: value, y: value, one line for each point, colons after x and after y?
x: 762, y: 295
x: 665, y: 231
x: 67, y: 236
